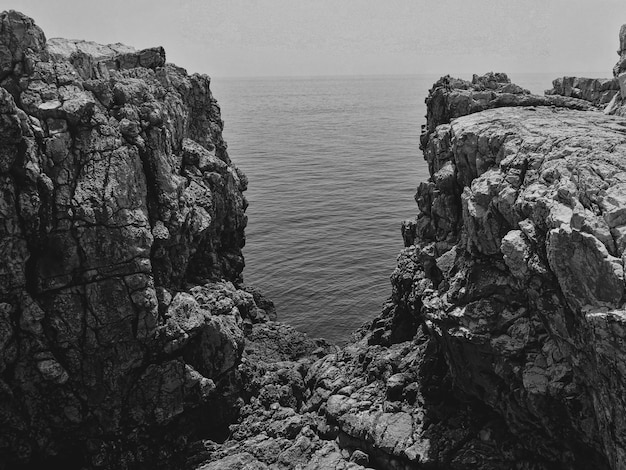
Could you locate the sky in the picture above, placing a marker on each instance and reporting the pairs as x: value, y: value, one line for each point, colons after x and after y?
x: 253, y: 38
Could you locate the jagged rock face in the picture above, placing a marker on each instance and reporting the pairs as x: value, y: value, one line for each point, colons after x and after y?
x: 122, y: 316
x: 451, y: 97
x: 372, y: 404
x: 121, y: 234
x: 500, y: 347
x: 597, y: 91
x: 274, y: 431
x: 617, y: 106
x: 620, y: 66
x: 516, y: 261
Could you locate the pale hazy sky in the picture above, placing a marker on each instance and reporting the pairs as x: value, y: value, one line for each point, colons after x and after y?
x: 330, y: 37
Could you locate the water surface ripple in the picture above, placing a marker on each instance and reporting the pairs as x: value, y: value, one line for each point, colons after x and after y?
x: 333, y: 165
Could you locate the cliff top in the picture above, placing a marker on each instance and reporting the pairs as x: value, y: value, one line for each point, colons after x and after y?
x: 64, y: 48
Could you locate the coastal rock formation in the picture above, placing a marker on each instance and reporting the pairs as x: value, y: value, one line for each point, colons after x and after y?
x: 121, y: 305
x: 452, y: 97
x: 273, y: 431
x: 365, y: 406
x: 620, y: 66
x: 128, y: 340
x: 617, y: 106
x: 515, y: 266
x: 501, y: 345
x: 522, y: 283
x: 599, y: 92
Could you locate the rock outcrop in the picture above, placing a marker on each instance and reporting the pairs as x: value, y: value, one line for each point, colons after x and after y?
x: 620, y: 66
x: 501, y: 346
x: 452, y: 97
x: 515, y: 267
x: 122, y: 221
x: 521, y: 282
x: 599, y: 92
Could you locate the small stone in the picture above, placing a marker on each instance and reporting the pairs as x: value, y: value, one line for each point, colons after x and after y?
x: 129, y: 128
x: 56, y: 126
x: 395, y: 384
x: 516, y: 251
x: 73, y: 414
x: 53, y: 371
x: 160, y: 231
x: 49, y: 105
x: 359, y: 457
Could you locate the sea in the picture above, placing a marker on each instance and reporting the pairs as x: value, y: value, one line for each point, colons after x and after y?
x: 333, y: 165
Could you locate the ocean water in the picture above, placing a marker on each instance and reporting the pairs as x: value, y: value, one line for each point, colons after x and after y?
x: 333, y: 164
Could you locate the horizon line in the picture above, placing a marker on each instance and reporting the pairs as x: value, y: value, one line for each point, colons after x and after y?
x: 570, y: 73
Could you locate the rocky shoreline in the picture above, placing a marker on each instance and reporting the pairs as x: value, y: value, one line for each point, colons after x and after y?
x: 129, y: 340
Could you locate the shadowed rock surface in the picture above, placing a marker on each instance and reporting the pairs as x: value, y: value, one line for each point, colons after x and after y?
x: 522, y: 274
x: 122, y: 222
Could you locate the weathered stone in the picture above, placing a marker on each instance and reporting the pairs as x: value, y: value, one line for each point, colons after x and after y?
x: 542, y: 231
x: 516, y: 251
x: 18, y: 37
x: 451, y: 97
x: 500, y: 345
x: 359, y: 457
x: 597, y: 91
x: 240, y: 461
x: 587, y: 273
x: 101, y: 217
x: 122, y: 313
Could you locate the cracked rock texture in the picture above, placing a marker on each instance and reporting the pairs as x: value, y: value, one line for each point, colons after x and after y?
x: 121, y: 226
x: 451, y: 97
x: 127, y: 339
x: 518, y: 273
x: 617, y: 105
x: 515, y: 266
x: 501, y: 346
x: 597, y: 91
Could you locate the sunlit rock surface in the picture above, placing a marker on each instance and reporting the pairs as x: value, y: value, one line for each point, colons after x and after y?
x: 528, y: 286
x: 599, y: 92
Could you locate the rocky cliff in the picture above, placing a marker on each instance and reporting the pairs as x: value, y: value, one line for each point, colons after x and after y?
x: 122, y: 222
x: 502, y: 344
x: 500, y: 347
x: 128, y: 340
